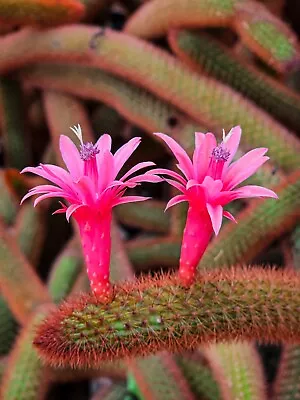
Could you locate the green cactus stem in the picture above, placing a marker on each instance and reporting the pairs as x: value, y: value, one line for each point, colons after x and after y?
x: 8, y: 328
x: 156, y: 252
x: 148, y: 216
x: 15, y: 138
x: 238, y: 370
x: 135, y: 104
x: 268, y: 36
x: 258, y: 225
x: 8, y: 201
x: 156, y: 314
x: 154, y: 19
x: 19, y: 284
x: 204, y: 99
x: 30, y: 231
x: 65, y: 271
x: 205, y: 54
x: 24, y: 378
x: 159, y: 377
x: 196, y: 370
x: 40, y: 12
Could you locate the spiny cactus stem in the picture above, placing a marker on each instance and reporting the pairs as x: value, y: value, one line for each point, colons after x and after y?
x: 156, y: 314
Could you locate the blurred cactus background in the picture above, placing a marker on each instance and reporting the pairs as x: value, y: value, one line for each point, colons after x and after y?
x: 131, y: 68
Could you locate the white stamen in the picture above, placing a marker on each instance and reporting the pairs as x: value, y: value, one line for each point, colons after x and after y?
x: 78, y: 132
x: 226, y: 138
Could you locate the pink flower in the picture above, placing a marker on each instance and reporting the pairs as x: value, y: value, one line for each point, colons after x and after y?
x: 209, y: 182
x: 91, y: 189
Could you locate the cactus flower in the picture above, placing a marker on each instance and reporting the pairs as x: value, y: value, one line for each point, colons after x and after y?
x: 91, y: 191
x: 208, y: 183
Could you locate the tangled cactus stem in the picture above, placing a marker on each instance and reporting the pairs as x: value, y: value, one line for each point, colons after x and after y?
x: 41, y: 12
x: 220, y: 107
x: 156, y: 314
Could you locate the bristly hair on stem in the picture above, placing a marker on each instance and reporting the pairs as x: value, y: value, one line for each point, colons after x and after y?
x: 155, y: 313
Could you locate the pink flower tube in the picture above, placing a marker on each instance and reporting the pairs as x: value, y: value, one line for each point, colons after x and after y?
x: 208, y: 183
x: 91, y: 190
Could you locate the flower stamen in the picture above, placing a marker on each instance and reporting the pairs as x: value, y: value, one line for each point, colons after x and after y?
x: 88, y: 151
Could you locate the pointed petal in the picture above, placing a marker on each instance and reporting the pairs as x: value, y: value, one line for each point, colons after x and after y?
x: 164, y: 171
x: 72, y: 209
x: 176, y: 200
x: 145, y: 178
x: 124, y: 152
x: 176, y: 184
x: 216, y: 214
x: 202, y: 156
x: 71, y: 157
x: 45, y: 196
x: 229, y: 216
x: 199, y: 137
x: 129, y: 199
x: 136, y: 168
x: 106, y: 169
x: 104, y: 143
x: 244, y: 167
x: 181, y: 155
x: 254, y: 191
x: 232, y: 144
x: 213, y: 187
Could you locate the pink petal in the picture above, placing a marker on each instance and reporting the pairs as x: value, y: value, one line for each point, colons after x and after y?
x: 71, y: 157
x: 191, y: 183
x: 104, y: 142
x: 72, y: 209
x: 184, y: 161
x: 202, y: 156
x: 59, y: 176
x: 216, y: 214
x: 136, y: 168
x: 232, y: 144
x: 244, y: 167
x: 254, y: 191
x: 41, y: 189
x: 145, y: 178
x: 86, y: 190
x: 213, y: 187
x: 129, y: 199
x: 45, y: 196
x: 163, y: 171
x: 106, y: 169
x: 228, y: 215
x: 176, y: 184
x: 176, y: 200
x: 60, y: 210
x: 124, y: 152
x: 199, y: 137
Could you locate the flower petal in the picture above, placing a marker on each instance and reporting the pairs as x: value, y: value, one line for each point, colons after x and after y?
x: 199, y: 137
x: 216, y: 214
x: 244, y: 167
x: 129, y: 199
x: 185, y: 162
x: 232, y: 144
x: 72, y: 209
x: 104, y: 143
x: 136, y: 168
x: 229, y: 216
x: 45, y: 196
x: 124, y: 152
x: 145, y: 178
x: 176, y: 200
x: 202, y: 156
x: 71, y: 157
x: 164, y: 171
x: 106, y: 169
x: 254, y: 191
x: 176, y: 184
